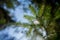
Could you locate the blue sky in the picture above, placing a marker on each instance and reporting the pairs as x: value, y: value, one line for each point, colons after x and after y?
x: 11, y: 33
x: 19, y: 12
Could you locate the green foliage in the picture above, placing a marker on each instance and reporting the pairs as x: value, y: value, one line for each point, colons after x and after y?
x: 45, y: 19
x: 9, y: 3
x: 41, y: 9
x: 2, y: 21
x: 33, y: 10
x: 45, y: 11
x: 57, y: 14
x: 30, y: 18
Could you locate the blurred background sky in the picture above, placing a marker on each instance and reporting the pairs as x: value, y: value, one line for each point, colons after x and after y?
x: 16, y: 33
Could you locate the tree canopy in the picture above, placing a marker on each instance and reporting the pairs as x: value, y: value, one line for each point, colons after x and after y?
x: 46, y: 16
